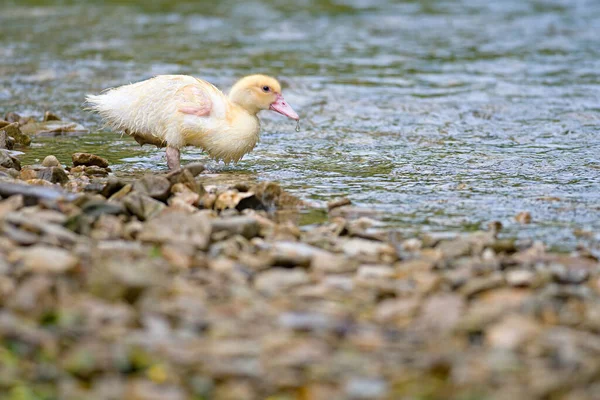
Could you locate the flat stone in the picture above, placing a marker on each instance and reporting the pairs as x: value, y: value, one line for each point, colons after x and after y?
x: 142, y: 206
x: 176, y: 227
x: 88, y: 159
x: 332, y: 263
x: 520, y: 277
x: 280, y: 279
x: 248, y: 227
x: 157, y: 187
x: 479, y: 285
x: 512, y: 332
x: 53, y: 174
x: 294, y: 253
x: 45, y: 259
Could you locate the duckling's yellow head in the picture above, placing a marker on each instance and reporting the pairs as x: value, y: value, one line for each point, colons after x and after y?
x: 260, y: 92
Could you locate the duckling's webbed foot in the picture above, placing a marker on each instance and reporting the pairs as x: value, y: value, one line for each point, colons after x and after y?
x: 173, y: 158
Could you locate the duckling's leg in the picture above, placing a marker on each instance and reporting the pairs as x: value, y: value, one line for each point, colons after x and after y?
x: 173, y: 158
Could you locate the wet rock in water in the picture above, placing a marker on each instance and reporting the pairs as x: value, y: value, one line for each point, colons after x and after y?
x: 338, y: 203
x: 53, y: 128
x: 248, y: 227
x: 13, y: 130
x: 50, y: 116
x: 142, y: 206
x: 90, y: 171
x: 157, y: 187
x: 50, y: 161
x: 524, y: 217
x: 88, y: 159
x: 44, y: 259
x: 53, y: 174
x: 8, y: 161
x: 177, y: 227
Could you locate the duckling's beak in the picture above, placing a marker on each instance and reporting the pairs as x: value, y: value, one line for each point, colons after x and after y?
x: 283, y: 108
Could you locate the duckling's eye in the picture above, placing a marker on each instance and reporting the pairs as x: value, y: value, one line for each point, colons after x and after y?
x: 266, y: 89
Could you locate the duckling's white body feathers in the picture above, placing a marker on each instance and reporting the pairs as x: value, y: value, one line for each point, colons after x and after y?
x: 180, y: 110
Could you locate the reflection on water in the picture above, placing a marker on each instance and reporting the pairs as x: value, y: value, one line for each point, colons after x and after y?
x: 447, y: 114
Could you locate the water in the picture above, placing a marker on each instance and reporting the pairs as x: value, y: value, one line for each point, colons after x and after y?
x: 445, y: 115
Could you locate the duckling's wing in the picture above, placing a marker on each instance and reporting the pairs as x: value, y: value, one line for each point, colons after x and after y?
x: 194, y: 100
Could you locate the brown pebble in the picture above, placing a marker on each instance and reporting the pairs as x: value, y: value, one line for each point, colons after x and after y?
x: 344, y: 201
x: 524, y: 217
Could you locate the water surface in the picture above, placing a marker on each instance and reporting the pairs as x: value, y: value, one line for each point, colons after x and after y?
x: 445, y: 115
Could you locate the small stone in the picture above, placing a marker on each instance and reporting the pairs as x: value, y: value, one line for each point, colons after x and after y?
x: 365, y: 388
x: 185, y: 177
x: 50, y: 116
x: 368, y: 250
x: 248, y: 227
x: 8, y: 161
x: 27, y: 174
x: 13, y: 130
x: 50, y: 161
x: 512, y: 332
x: 88, y: 159
x: 177, y: 227
x: 331, y: 263
x: 157, y: 187
x: 441, y: 313
x: 520, y: 277
x: 294, y: 254
x: 524, y: 217
x: 112, y: 186
x: 42, y: 258
x: 280, y: 279
x: 338, y: 203
x: 232, y: 199
x: 479, y: 285
x: 142, y: 206
x: 121, y: 193
x: 94, y: 170
x: 195, y: 168
x: 53, y: 174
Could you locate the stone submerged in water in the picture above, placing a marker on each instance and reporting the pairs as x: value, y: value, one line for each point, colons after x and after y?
x: 88, y: 159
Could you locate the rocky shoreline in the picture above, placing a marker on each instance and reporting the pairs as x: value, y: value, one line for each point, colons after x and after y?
x: 165, y: 287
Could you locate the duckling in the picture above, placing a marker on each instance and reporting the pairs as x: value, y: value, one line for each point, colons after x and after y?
x: 174, y: 111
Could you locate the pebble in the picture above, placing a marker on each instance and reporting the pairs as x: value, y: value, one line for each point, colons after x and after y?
x: 45, y: 259
x: 88, y: 159
x: 280, y: 279
x: 50, y: 161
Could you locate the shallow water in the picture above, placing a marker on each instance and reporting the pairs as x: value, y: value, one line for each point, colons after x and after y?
x: 444, y: 114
